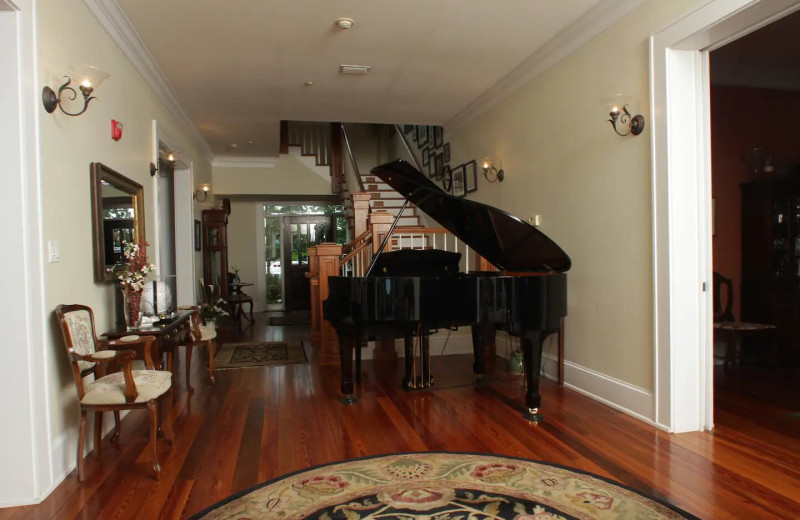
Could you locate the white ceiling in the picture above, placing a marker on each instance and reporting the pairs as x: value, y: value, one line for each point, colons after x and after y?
x: 239, y: 67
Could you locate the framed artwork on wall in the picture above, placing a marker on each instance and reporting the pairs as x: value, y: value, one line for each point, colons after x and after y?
x: 438, y: 166
x: 431, y: 170
x: 438, y: 136
x: 459, y: 188
x: 407, y: 129
x: 447, y: 178
x: 425, y: 158
x: 471, y: 176
x: 446, y: 152
x: 198, y: 234
x: 422, y: 135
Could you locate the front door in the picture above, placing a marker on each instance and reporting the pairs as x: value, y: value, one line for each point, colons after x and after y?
x: 300, y: 232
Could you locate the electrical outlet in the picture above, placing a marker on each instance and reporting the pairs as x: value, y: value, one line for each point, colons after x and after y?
x: 53, y: 252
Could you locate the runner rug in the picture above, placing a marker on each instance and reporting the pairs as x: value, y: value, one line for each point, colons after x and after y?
x: 441, y: 486
x: 244, y: 355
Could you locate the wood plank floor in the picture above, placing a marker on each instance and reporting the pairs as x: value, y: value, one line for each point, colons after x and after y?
x: 259, y: 423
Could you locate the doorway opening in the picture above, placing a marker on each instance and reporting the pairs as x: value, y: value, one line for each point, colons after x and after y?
x: 289, y: 230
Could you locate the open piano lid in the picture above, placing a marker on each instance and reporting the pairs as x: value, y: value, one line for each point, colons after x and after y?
x: 504, y: 240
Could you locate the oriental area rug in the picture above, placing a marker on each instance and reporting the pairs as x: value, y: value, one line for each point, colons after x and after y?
x: 267, y: 353
x: 441, y: 486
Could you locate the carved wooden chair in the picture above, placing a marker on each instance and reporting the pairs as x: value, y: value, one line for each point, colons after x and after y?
x: 124, y: 390
x: 728, y: 329
x: 200, y: 336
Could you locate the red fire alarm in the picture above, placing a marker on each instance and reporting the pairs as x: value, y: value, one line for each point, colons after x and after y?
x: 116, y: 130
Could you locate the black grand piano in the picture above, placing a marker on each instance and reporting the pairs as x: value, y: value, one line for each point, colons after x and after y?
x: 411, y: 293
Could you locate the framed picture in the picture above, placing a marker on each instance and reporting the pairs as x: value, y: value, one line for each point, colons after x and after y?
x: 459, y: 188
x: 447, y: 179
x: 198, y: 234
x: 446, y: 152
x: 422, y: 135
x: 471, y: 176
x: 438, y: 136
x: 438, y: 166
x: 431, y: 169
x: 407, y: 129
x: 425, y: 157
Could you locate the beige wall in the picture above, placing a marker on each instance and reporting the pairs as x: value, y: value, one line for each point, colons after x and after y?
x: 289, y: 176
x: 243, y: 247
x: 591, y: 187
x: 68, y: 146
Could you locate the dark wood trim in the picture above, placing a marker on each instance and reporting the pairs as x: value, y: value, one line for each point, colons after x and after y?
x: 337, y: 168
x: 284, y: 139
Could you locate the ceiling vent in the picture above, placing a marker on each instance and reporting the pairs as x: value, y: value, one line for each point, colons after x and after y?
x: 354, y: 70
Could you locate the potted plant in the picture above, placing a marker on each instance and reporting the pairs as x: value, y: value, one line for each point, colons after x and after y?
x: 212, y: 307
x: 515, y: 361
x: 131, y: 277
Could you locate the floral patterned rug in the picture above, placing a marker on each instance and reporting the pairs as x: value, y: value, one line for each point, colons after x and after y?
x: 441, y: 486
x: 266, y: 353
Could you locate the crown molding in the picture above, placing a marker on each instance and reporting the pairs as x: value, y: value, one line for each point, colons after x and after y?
x: 599, y: 18
x: 117, y: 25
x: 244, y: 162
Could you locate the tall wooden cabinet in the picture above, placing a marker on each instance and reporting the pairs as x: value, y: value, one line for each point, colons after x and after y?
x: 215, y: 247
x: 771, y: 260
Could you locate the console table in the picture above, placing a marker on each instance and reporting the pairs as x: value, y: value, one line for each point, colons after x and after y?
x: 168, y: 335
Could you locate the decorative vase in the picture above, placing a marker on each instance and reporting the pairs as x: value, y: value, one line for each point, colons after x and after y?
x: 131, y: 308
x: 515, y: 364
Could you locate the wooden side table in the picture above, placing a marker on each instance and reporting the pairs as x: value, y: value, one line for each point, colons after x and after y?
x: 166, y: 336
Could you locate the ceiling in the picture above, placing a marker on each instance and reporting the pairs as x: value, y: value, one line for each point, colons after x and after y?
x: 239, y: 67
x: 766, y: 58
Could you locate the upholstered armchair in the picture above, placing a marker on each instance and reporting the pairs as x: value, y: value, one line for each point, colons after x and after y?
x: 127, y: 389
x: 200, y: 336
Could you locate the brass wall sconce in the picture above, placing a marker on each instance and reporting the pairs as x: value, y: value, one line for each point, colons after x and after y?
x: 170, y: 160
x: 88, y: 79
x: 624, y: 123
x: 202, y: 192
x: 490, y: 171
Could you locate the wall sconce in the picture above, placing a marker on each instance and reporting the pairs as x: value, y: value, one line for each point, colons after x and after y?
x: 623, y: 123
x: 491, y: 172
x: 88, y: 79
x: 170, y: 161
x: 202, y: 192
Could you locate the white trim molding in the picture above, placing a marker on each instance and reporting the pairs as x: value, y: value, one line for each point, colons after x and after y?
x: 244, y: 162
x: 117, y: 25
x: 603, y: 15
x: 681, y: 198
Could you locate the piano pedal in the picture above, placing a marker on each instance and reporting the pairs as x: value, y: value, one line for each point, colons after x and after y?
x: 409, y: 384
x: 348, y: 399
x: 532, y: 414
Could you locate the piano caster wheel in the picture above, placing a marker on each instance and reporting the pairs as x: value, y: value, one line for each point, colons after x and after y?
x: 348, y: 399
x: 532, y: 414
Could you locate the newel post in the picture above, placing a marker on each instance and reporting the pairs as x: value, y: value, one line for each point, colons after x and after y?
x: 360, y: 212
x: 380, y: 224
x: 328, y: 255
x: 313, y: 279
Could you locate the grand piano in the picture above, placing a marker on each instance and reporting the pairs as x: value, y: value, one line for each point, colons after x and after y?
x: 411, y: 293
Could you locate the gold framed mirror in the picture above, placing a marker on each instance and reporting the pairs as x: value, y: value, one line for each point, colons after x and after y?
x: 117, y: 217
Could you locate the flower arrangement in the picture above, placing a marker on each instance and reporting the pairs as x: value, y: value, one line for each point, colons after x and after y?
x: 211, y: 305
x: 130, y: 276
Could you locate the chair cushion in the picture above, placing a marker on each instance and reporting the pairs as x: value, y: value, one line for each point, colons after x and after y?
x: 81, y: 332
x: 207, y: 332
x: 110, y: 389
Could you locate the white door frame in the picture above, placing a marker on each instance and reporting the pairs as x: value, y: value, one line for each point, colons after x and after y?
x: 681, y: 184
x: 27, y: 475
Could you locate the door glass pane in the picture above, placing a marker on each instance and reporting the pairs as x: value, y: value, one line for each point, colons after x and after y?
x: 274, y: 272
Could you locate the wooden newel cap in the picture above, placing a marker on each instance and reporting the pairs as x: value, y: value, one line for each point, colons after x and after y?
x: 329, y: 249
x: 381, y: 218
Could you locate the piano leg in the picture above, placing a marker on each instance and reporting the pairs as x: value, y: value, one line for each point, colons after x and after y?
x: 479, y: 333
x: 408, y: 381
x: 532, y: 357
x: 347, y: 341
x: 425, y: 361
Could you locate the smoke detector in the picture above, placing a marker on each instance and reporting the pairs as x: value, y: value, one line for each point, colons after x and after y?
x: 344, y: 23
x: 354, y: 70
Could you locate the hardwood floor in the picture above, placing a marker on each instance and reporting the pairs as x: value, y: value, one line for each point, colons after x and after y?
x: 259, y: 423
